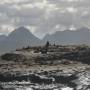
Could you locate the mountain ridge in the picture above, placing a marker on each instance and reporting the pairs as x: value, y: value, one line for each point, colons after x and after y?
x: 22, y: 37
x: 2, y: 37
x: 78, y: 36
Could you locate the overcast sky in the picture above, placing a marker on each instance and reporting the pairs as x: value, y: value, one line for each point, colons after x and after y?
x: 43, y: 16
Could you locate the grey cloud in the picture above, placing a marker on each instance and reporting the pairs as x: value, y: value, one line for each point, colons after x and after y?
x: 30, y: 12
x: 53, y: 13
x: 57, y: 17
x: 74, y: 3
x: 19, y: 1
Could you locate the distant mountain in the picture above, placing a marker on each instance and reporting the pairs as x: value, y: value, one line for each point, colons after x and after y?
x: 80, y: 36
x: 20, y: 37
x: 2, y: 37
x: 23, y: 37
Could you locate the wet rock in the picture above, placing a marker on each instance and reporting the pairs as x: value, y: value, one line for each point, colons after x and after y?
x: 40, y: 79
x: 13, y: 57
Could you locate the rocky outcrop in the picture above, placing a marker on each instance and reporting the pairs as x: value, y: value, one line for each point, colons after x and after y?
x: 13, y: 57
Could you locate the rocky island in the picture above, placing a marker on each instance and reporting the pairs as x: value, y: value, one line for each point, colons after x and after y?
x: 48, y: 67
